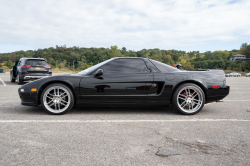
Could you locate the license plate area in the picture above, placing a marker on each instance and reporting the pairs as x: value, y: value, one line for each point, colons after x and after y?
x: 37, y: 68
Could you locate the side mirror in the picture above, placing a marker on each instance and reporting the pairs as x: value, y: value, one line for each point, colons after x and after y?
x: 98, y: 72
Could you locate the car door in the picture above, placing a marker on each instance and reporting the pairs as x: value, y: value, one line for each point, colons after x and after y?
x: 123, y: 81
x: 18, y: 67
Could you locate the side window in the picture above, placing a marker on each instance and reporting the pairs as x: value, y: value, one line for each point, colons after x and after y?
x: 125, y: 66
x: 163, y: 67
x: 19, y: 63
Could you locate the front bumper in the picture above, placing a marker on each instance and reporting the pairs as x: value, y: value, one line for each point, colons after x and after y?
x: 28, y: 98
x: 217, y: 94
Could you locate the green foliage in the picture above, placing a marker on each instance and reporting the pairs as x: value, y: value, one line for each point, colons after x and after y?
x: 82, y: 58
x: 188, y: 66
x: 9, y: 63
x: 245, y: 50
x: 114, y: 52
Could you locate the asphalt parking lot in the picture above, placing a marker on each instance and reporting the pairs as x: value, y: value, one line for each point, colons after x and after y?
x: 218, y: 135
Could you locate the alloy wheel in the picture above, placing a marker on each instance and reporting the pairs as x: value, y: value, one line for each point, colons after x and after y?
x: 190, y: 99
x: 56, y: 99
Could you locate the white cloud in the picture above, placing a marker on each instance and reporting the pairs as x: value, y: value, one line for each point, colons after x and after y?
x: 135, y: 24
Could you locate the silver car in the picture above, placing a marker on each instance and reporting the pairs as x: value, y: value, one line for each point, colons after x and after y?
x: 247, y: 74
x: 234, y: 74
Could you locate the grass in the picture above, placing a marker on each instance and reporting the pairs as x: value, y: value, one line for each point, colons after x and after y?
x: 231, y: 71
x: 64, y: 70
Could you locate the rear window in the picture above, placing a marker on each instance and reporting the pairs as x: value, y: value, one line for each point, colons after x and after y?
x: 36, y: 63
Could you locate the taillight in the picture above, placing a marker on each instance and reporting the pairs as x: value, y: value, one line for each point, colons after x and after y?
x: 24, y: 67
x: 48, y: 67
x: 215, y: 87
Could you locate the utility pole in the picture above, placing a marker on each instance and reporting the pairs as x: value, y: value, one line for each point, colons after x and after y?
x: 73, y: 67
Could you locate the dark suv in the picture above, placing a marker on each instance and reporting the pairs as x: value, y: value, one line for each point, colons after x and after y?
x: 28, y: 69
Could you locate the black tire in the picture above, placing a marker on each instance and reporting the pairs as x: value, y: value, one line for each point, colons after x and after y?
x: 56, y: 99
x: 188, y: 99
x: 18, y: 79
x: 11, y: 78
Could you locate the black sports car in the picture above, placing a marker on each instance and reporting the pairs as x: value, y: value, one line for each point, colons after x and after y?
x: 127, y: 81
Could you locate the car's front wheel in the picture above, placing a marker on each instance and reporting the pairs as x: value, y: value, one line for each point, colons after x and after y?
x: 188, y: 99
x: 57, y: 99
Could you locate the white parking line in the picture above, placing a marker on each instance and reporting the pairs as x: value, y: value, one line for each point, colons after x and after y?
x: 234, y: 100
x: 238, y: 92
x: 123, y: 121
x: 3, y: 82
x: 239, y: 88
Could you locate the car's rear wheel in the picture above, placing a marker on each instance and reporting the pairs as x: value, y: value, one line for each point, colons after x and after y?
x: 18, y: 79
x: 188, y: 99
x: 11, y: 78
x: 57, y: 99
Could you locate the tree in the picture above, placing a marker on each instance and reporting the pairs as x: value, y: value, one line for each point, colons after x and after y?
x: 243, y: 45
x: 245, y: 50
x: 188, y: 66
x: 8, y: 64
x: 218, y: 55
x: 124, y: 50
x: 114, y: 52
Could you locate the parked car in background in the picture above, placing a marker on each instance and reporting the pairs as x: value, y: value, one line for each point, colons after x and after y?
x: 227, y: 75
x: 234, y: 74
x: 247, y: 74
x: 2, y: 71
x: 26, y: 69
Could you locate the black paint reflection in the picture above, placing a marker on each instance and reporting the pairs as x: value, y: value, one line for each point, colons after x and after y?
x: 100, y: 88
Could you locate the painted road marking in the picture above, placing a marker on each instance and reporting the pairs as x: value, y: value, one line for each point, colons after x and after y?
x: 239, y: 92
x: 239, y: 88
x: 123, y: 121
x: 234, y: 100
x: 3, y: 82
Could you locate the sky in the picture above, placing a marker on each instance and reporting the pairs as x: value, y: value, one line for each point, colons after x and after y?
x: 188, y: 25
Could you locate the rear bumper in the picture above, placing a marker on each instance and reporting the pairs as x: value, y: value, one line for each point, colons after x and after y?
x: 217, y: 94
x: 33, y: 77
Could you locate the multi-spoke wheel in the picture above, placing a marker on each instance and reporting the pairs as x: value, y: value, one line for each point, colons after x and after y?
x: 188, y: 99
x: 57, y: 99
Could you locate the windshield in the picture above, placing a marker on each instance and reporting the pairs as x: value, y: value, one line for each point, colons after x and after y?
x: 93, y: 68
